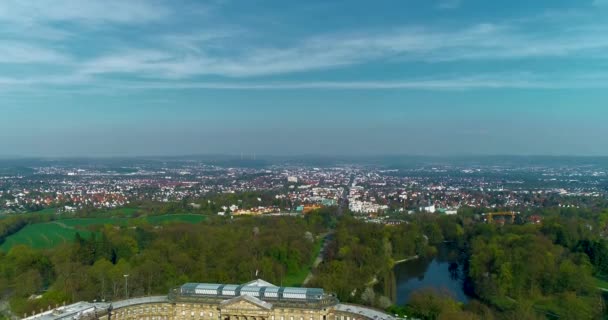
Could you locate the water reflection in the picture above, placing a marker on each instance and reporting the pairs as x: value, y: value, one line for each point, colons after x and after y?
x: 442, y: 272
x: 454, y: 271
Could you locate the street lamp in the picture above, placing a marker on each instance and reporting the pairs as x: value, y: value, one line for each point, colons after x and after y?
x: 126, y: 286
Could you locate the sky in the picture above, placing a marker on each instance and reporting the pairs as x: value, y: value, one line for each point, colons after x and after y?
x: 280, y: 77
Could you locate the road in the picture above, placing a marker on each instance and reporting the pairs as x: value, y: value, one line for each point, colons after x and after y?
x: 343, y: 202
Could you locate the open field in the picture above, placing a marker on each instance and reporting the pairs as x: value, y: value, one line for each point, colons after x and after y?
x: 50, y: 234
x: 82, y: 223
x: 46, y: 211
x: 124, y: 211
x: 181, y: 217
x: 42, y: 235
x: 49, y: 211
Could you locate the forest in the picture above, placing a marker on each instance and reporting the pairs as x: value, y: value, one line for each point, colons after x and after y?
x: 549, y: 270
x: 157, y: 258
x: 520, y: 271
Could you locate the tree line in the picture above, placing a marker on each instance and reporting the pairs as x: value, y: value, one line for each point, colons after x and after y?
x: 157, y: 258
x: 519, y: 271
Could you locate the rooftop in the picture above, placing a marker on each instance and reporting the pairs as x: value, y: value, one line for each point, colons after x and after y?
x: 68, y: 312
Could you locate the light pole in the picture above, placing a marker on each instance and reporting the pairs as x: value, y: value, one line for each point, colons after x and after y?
x: 126, y: 286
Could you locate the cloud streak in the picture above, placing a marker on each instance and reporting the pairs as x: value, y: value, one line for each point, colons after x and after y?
x: 92, y: 11
x: 449, y: 4
x: 14, y: 52
x: 499, y: 81
x: 184, y: 59
x: 600, y: 3
x: 437, y: 83
x: 482, y: 42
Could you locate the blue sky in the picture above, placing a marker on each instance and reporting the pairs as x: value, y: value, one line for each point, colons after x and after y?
x: 424, y: 77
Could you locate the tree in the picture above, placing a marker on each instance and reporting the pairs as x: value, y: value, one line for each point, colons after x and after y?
x: 368, y: 296
x: 430, y: 304
x: 100, y: 273
x: 117, y: 278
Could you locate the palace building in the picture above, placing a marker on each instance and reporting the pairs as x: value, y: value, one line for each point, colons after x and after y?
x: 256, y: 300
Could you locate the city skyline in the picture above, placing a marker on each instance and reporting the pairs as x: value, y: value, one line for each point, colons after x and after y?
x: 438, y: 78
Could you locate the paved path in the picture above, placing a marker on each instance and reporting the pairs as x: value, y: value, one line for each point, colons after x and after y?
x: 406, y: 259
x: 342, y: 203
x: 319, y: 259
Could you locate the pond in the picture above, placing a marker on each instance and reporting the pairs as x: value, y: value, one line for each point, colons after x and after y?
x: 442, y: 272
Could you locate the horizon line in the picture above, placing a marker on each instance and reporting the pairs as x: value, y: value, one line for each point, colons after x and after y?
x: 249, y: 156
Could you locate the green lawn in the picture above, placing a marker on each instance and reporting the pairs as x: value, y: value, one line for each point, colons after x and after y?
x: 50, y: 234
x: 42, y: 235
x: 601, y: 283
x: 85, y: 222
x: 181, y: 217
x: 46, y: 211
x: 49, y: 211
x: 295, y: 279
x: 120, y: 221
x: 124, y: 211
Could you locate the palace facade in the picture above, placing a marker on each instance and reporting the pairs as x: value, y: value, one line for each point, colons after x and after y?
x: 256, y: 300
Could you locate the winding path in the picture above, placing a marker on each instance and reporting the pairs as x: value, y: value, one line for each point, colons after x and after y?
x: 320, y: 256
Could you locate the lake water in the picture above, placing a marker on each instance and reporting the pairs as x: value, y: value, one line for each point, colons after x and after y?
x: 442, y: 272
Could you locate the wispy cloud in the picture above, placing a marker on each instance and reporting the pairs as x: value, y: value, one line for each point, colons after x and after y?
x: 56, y: 20
x: 95, y: 11
x: 441, y: 83
x: 436, y: 83
x: 15, y: 52
x: 182, y: 57
x: 449, y: 4
x: 600, y: 3
x: 478, y: 42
